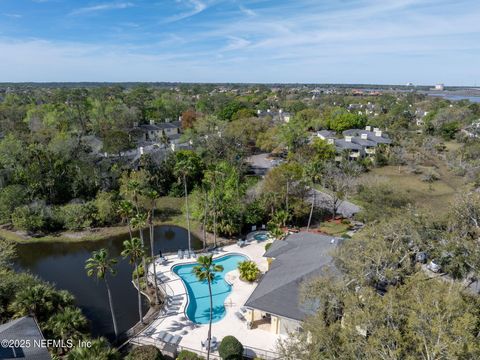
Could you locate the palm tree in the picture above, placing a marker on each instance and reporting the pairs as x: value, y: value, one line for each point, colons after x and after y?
x: 68, y: 324
x: 211, y: 177
x: 248, y: 270
x: 35, y: 300
x: 100, y: 349
x: 204, y: 225
x: 205, y: 271
x: 152, y: 195
x: 133, y: 249
x: 139, y: 222
x: 183, y: 168
x: 100, y: 264
x: 133, y: 187
x: 125, y: 211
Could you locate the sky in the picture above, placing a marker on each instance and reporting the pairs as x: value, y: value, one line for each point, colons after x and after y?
x: 257, y: 41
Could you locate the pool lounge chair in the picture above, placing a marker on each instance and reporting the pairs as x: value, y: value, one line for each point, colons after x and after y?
x: 161, y: 335
x: 168, y: 338
x: 175, y: 340
x: 187, y: 254
x: 240, y: 316
x: 180, y: 254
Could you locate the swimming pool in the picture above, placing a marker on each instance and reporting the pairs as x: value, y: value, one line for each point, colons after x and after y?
x: 198, y: 308
x: 260, y: 236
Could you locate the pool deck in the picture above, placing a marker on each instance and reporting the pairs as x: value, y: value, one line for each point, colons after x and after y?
x: 175, y: 322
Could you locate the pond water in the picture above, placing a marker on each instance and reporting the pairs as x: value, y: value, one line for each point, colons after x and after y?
x: 475, y: 99
x: 63, y: 264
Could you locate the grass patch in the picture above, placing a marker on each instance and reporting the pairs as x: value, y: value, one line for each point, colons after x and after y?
x: 334, y: 228
x: 430, y: 196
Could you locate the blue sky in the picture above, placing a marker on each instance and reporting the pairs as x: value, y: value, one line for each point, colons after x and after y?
x: 322, y: 41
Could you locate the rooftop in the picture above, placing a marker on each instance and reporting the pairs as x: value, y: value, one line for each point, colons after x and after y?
x: 26, y: 329
x: 298, y: 258
x: 344, y: 144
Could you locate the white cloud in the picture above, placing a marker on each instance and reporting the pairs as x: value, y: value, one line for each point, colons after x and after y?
x: 196, y: 6
x: 13, y: 16
x: 247, y: 11
x: 101, y: 7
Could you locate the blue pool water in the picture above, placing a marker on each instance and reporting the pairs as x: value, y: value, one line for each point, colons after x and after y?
x: 260, y: 237
x: 198, y: 309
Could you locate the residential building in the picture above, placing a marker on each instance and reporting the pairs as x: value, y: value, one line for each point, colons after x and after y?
x: 27, y: 330
x: 155, y: 132
x: 357, y: 143
x: 274, y: 305
x: 326, y: 134
x: 276, y: 115
x: 473, y: 130
x: 348, y: 147
x: 376, y: 135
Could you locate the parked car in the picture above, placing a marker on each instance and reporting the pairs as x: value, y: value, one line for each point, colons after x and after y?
x: 433, y: 266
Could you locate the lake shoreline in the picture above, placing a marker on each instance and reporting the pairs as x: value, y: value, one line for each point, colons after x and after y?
x: 95, y: 234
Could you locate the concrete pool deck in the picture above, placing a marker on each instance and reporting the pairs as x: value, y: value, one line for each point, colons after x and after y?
x: 174, y: 321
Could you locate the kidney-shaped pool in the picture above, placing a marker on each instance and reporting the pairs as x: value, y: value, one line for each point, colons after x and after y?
x: 198, y: 308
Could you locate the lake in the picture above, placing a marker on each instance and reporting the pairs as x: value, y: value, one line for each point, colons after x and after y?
x: 475, y: 99
x: 63, y: 264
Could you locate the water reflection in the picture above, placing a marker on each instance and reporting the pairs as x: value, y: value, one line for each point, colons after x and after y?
x: 64, y: 265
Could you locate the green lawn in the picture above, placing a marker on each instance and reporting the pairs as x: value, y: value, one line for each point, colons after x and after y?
x: 431, y: 196
x: 333, y: 228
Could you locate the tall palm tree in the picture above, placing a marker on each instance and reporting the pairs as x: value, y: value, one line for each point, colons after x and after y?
x: 204, y: 225
x: 134, y: 187
x: 133, y: 249
x: 100, y: 265
x: 211, y: 177
x: 125, y: 211
x: 183, y: 168
x: 152, y: 195
x: 205, y: 271
x: 139, y: 222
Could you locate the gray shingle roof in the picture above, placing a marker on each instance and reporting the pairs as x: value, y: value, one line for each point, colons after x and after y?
x: 327, y: 134
x: 161, y: 126
x: 384, y: 139
x: 363, y: 142
x: 25, y: 329
x: 343, y: 144
x: 299, y: 257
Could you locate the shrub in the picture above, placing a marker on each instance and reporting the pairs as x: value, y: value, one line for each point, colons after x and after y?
x: 230, y: 348
x: 11, y: 196
x: 31, y: 218
x: 267, y: 246
x: 248, y: 270
x: 148, y: 352
x: 106, y: 208
x: 188, y: 355
x: 77, y: 216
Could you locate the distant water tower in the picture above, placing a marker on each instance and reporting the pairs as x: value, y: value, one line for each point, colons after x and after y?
x: 439, y: 87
